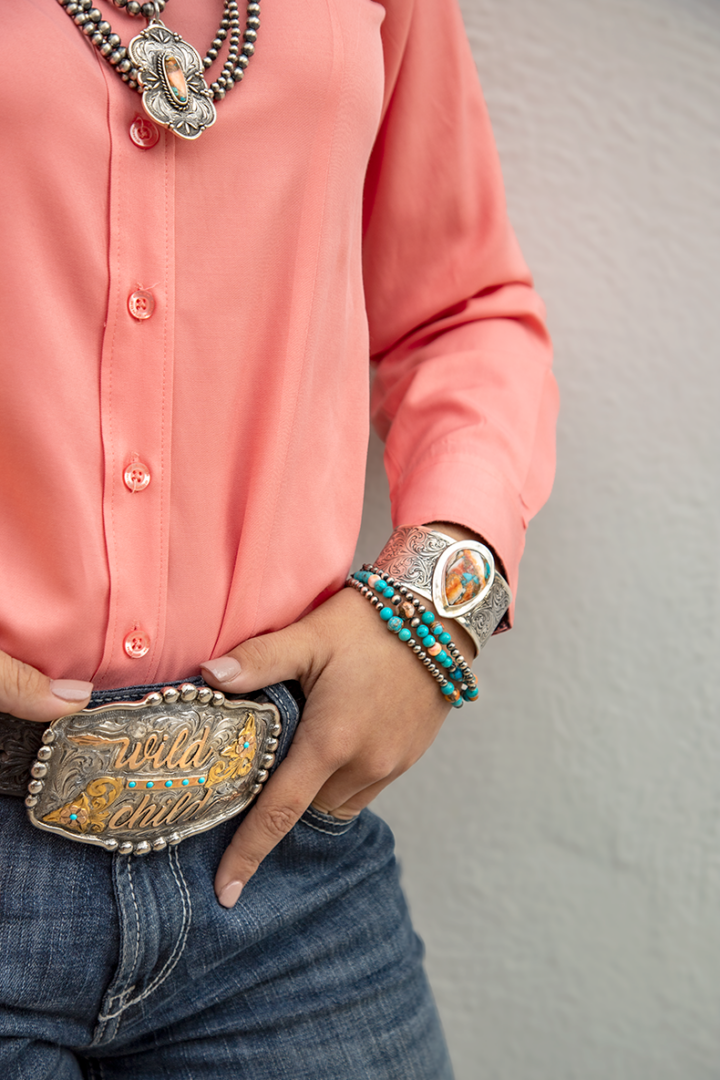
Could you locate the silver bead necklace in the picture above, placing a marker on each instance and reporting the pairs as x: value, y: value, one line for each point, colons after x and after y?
x: 165, y: 68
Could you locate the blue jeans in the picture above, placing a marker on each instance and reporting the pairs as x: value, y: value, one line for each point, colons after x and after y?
x: 114, y: 966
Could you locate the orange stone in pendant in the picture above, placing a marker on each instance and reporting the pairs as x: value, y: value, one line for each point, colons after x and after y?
x: 175, y: 77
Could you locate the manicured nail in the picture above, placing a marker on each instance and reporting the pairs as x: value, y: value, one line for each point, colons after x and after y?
x: 71, y: 689
x: 223, y: 669
x: 228, y: 895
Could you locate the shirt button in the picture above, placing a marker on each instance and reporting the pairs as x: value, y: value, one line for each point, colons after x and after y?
x: 141, y: 304
x: 136, y: 476
x: 143, y: 132
x: 137, y: 644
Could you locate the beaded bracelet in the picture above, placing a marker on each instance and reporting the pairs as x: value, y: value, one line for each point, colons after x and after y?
x: 435, y: 648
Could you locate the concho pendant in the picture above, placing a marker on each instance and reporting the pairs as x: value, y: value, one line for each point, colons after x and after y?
x: 175, y: 94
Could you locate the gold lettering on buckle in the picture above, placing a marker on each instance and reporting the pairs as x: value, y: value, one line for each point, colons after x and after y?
x: 135, y: 777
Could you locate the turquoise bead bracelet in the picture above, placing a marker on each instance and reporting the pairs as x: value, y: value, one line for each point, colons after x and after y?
x: 405, y: 615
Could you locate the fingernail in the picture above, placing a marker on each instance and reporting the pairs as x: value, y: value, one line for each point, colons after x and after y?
x: 228, y: 895
x: 71, y: 689
x: 223, y: 669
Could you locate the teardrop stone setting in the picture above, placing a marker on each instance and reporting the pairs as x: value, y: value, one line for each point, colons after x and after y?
x: 463, y: 576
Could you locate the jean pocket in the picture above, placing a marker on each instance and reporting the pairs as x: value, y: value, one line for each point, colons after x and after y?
x: 289, y: 700
x: 327, y: 823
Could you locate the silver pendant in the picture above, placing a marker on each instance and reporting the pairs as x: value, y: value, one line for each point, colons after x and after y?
x: 175, y: 94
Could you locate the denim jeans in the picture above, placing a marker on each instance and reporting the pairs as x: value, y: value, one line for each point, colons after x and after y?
x: 115, y: 966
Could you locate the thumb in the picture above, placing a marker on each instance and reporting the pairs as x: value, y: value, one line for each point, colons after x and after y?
x: 28, y: 694
x: 291, y: 653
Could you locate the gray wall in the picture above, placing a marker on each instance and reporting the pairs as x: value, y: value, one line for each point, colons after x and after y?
x: 561, y: 840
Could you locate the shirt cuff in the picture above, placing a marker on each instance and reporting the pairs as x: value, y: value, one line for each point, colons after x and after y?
x: 434, y: 492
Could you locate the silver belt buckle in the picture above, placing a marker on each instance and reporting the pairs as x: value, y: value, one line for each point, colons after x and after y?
x: 135, y: 777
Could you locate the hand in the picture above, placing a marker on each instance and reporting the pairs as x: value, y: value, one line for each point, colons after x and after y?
x: 371, y: 712
x: 26, y: 693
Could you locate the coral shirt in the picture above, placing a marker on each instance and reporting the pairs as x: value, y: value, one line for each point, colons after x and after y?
x: 347, y: 204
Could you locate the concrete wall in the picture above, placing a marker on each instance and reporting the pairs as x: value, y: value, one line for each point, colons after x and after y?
x: 561, y: 840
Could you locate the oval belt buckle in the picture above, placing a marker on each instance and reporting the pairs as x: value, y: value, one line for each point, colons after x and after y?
x: 133, y: 777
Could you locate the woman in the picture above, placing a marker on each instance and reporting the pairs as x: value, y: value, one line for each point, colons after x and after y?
x: 192, y: 286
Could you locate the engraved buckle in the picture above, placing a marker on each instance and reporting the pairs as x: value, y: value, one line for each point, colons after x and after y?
x: 134, y: 777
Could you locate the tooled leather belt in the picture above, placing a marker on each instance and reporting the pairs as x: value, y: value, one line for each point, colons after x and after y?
x: 144, y: 767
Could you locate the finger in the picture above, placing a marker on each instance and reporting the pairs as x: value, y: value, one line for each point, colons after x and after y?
x: 362, y: 770
x: 355, y: 803
x: 382, y: 760
x: 26, y: 693
x: 349, y: 804
x: 285, y: 797
x: 291, y: 653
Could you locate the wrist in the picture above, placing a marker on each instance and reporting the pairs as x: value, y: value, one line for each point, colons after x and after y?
x: 416, y: 625
x: 452, y: 567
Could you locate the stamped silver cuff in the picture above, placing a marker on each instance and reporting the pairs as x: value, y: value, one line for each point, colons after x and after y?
x: 435, y: 566
x: 133, y: 777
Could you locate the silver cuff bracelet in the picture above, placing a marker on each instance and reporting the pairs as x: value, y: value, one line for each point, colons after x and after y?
x: 458, y: 576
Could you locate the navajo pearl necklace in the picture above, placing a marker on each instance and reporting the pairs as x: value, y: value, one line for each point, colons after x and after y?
x: 167, y: 70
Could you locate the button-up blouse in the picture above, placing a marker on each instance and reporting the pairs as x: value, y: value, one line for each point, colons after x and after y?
x: 185, y: 329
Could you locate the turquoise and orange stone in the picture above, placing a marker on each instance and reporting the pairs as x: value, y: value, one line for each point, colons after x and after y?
x: 466, y: 575
x: 175, y: 77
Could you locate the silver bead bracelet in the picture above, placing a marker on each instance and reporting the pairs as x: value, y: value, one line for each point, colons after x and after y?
x: 441, y: 658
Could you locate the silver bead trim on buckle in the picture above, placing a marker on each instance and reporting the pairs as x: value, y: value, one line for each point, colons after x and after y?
x: 133, y: 777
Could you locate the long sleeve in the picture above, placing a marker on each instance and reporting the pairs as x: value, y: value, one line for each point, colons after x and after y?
x: 463, y: 394
x: 243, y: 392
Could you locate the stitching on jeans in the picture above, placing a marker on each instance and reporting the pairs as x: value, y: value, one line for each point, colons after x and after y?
x: 321, y: 817
x: 341, y: 827
x: 328, y: 832
x: 179, y: 945
x: 128, y: 990
x: 177, y: 952
x: 103, y: 1018
x: 137, y: 912
x: 279, y: 690
x: 184, y: 929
